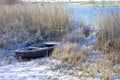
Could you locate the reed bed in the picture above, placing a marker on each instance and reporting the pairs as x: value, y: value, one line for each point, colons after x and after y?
x: 70, y: 52
x: 108, y: 40
x: 20, y: 23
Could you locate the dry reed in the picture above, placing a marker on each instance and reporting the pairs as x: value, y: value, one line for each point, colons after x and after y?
x: 70, y: 53
x: 18, y: 23
x: 108, y: 40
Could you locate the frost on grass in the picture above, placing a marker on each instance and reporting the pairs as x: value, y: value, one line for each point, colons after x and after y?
x: 108, y: 39
x: 71, y: 53
x: 90, y: 66
x: 39, y: 69
x: 72, y: 61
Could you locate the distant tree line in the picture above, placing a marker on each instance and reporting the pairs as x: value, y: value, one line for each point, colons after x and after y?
x: 9, y: 1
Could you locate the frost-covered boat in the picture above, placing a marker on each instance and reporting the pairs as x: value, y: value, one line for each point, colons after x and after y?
x: 42, y: 50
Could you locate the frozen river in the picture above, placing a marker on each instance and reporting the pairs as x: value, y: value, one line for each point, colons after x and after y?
x: 89, y: 13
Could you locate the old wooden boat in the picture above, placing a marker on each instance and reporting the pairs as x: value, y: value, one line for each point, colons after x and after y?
x: 42, y: 50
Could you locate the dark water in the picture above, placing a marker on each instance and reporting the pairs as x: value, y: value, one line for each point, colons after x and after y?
x: 89, y: 13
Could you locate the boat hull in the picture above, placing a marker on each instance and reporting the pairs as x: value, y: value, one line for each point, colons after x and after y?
x: 42, y: 50
x: 34, y: 53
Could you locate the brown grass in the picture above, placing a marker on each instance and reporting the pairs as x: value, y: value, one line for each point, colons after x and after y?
x: 70, y: 53
x: 114, y: 57
x: 18, y: 23
x: 109, y: 35
x: 116, y: 70
x: 90, y: 69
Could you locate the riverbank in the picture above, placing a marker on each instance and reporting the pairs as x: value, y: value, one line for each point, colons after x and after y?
x: 84, y: 3
x: 95, y: 4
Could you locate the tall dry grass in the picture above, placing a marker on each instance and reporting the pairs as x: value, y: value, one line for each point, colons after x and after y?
x: 71, y: 53
x: 108, y: 40
x: 20, y: 23
x: 73, y: 50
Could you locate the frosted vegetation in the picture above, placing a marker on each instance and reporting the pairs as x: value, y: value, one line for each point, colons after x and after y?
x: 89, y: 38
